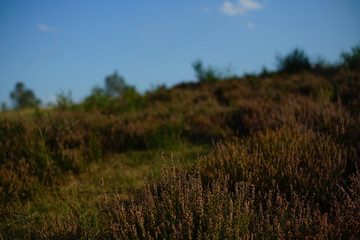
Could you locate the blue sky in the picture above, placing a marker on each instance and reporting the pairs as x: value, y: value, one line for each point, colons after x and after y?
x: 55, y: 46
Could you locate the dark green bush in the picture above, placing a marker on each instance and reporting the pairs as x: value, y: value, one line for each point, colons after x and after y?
x: 352, y: 60
x: 295, y: 61
x: 209, y: 74
x: 99, y: 100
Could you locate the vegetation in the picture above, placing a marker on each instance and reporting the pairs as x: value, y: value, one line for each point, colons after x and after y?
x: 295, y: 61
x: 22, y: 97
x: 115, y: 85
x: 64, y: 100
x: 352, y: 60
x: 273, y: 156
x: 209, y: 74
x: 4, y: 107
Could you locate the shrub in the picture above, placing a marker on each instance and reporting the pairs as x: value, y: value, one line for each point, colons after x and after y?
x: 352, y: 60
x: 99, y: 100
x: 298, y: 160
x: 209, y: 74
x: 295, y: 61
x: 180, y: 206
x: 115, y: 85
x: 64, y: 100
x: 17, y: 180
x: 23, y: 98
x: 130, y: 100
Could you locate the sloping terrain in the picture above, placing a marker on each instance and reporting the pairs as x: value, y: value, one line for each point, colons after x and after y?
x: 273, y: 156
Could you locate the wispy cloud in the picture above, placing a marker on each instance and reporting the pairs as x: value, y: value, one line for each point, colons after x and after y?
x: 239, y: 8
x: 46, y: 28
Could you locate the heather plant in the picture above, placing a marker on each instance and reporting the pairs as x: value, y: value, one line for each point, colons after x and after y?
x: 180, y: 206
x: 297, y: 159
x: 16, y: 163
x: 346, y: 88
x: 158, y: 94
x: 345, y: 209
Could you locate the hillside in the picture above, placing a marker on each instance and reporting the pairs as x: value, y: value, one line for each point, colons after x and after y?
x: 270, y: 156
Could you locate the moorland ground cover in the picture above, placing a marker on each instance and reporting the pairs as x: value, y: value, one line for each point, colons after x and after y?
x: 268, y: 156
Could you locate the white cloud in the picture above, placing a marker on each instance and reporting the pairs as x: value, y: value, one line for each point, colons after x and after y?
x: 46, y: 28
x: 249, y: 4
x: 239, y: 8
x: 250, y: 26
x: 230, y: 9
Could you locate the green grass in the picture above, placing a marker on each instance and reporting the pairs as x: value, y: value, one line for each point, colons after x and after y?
x: 124, y: 173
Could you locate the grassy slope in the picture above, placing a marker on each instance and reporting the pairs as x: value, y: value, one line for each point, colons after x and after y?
x: 69, y: 153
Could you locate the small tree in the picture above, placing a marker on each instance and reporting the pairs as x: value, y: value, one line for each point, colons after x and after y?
x: 208, y: 74
x: 3, y: 107
x: 352, y: 60
x: 99, y: 98
x: 64, y: 100
x: 115, y: 85
x: 295, y: 61
x: 23, y: 97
